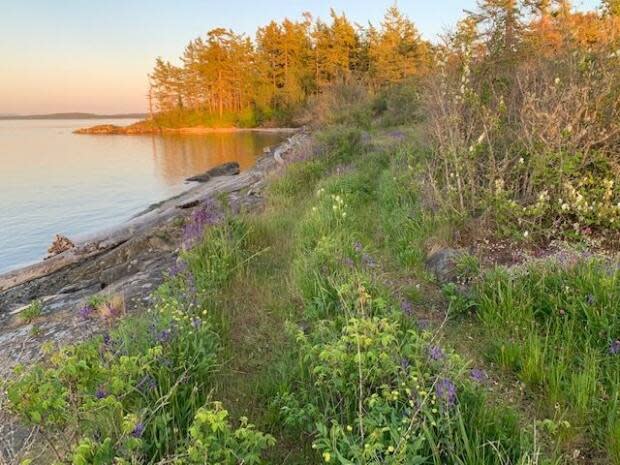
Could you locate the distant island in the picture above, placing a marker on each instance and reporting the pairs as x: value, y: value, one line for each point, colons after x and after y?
x: 74, y: 115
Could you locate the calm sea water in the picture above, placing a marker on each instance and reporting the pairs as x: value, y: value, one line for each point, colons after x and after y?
x: 55, y: 182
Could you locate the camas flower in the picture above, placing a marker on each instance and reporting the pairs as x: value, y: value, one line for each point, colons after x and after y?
x: 86, y: 311
x: 101, y: 393
x: 445, y: 390
x: 147, y: 383
x: 178, y: 268
x: 138, y: 430
x: 614, y: 348
x: 406, y: 306
x: 208, y: 214
x: 435, y: 353
x: 478, y: 375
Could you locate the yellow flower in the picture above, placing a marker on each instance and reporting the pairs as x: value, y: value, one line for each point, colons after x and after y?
x: 327, y: 456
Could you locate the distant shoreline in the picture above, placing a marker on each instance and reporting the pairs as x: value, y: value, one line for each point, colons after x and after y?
x: 73, y: 116
x: 146, y: 127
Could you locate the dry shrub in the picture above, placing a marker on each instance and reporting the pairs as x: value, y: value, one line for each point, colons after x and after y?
x: 532, y: 139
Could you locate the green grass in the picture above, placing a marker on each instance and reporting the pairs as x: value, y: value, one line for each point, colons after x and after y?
x: 556, y: 326
x: 296, y: 319
x: 32, y: 312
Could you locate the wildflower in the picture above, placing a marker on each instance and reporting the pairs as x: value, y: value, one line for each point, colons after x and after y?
x: 208, y: 214
x: 86, y: 311
x: 196, y: 323
x: 614, y: 348
x: 404, y: 363
x: 178, y: 268
x: 521, y: 161
x: 435, y: 353
x: 138, y: 430
x: 591, y: 299
x: 446, y: 391
x: 349, y: 428
x: 357, y: 246
x: 557, y: 81
x: 327, y: 456
x: 406, y: 306
x: 526, y: 234
x: 478, y: 375
x: 147, y: 383
x: 164, y: 336
x: 390, y: 449
x: 101, y: 393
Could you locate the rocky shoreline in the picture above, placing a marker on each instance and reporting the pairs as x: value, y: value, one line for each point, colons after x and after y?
x: 128, y: 257
x: 130, y: 260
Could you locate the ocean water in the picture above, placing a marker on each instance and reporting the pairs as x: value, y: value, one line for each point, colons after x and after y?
x: 55, y: 182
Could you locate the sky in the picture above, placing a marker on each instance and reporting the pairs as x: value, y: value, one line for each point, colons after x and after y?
x: 94, y: 56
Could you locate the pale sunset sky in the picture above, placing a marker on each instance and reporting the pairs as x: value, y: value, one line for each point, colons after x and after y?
x: 94, y: 56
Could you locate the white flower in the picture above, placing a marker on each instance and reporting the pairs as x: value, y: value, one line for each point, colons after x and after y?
x: 521, y: 161
x: 557, y: 81
x: 526, y: 234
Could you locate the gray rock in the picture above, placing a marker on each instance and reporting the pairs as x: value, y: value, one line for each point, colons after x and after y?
x: 442, y: 264
x: 226, y: 169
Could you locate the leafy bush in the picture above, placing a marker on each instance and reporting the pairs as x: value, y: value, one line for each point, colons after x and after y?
x: 530, y: 140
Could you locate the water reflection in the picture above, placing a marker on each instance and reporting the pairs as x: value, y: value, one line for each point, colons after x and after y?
x: 177, y: 156
x: 53, y: 181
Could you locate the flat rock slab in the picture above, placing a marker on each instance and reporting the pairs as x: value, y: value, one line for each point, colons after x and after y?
x: 225, y: 169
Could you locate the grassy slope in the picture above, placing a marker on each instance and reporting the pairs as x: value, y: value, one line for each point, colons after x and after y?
x: 339, y: 247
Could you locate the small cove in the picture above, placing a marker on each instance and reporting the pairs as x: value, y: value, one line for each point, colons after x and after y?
x: 55, y: 182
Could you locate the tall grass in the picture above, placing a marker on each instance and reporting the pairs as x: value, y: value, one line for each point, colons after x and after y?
x: 557, y: 328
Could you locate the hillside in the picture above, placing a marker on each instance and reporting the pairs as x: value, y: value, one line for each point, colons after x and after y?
x: 430, y: 276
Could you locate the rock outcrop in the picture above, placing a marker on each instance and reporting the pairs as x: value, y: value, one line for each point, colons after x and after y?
x: 128, y: 261
x: 225, y: 169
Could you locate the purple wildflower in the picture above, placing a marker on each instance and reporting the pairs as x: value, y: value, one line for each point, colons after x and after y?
x: 358, y: 247
x: 435, y: 353
x: 404, y: 363
x: 614, y: 348
x: 406, y: 306
x: 196, y: 323
x: 208, y: 214
x: 398, y: 135
x: 164, y: 336
x: 138, y: 430
x: 446, y: 391
x: 478, y: 375
x: 591, y: 299
x: 101, y: 393
x: 178, y: 268
x: 147, y: 383
x: 86, y: 311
